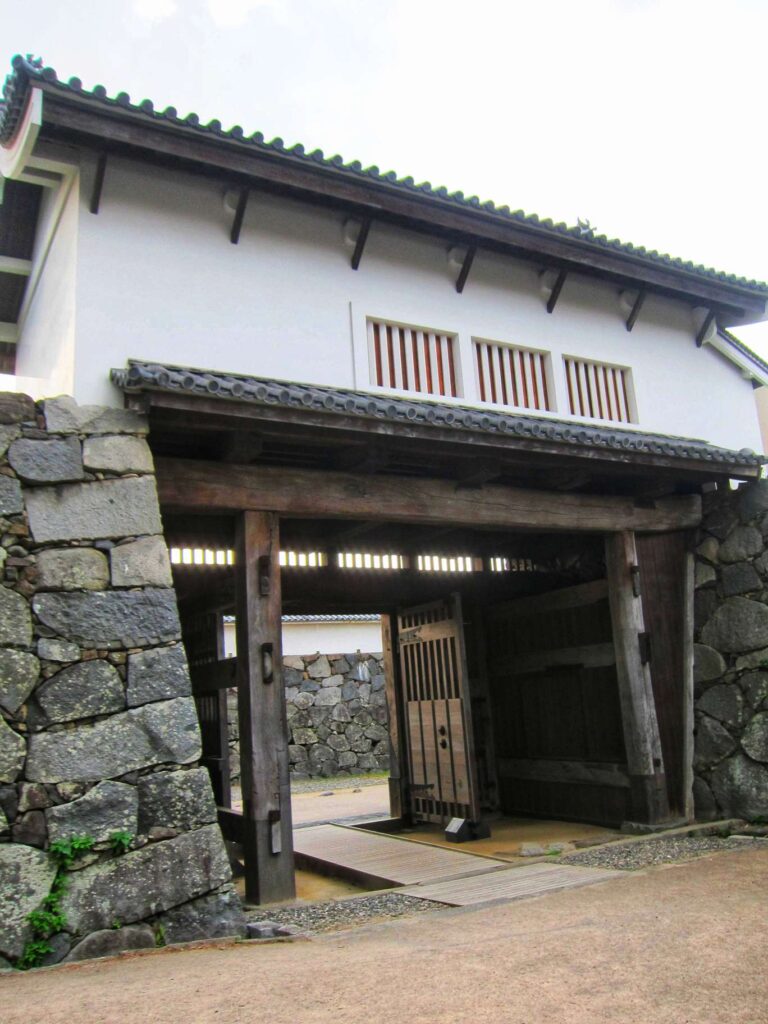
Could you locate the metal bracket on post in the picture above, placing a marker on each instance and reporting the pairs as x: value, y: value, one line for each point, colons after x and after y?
x: 635, y: 574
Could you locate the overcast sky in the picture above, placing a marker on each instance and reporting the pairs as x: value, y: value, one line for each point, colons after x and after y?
x: 646, y: 117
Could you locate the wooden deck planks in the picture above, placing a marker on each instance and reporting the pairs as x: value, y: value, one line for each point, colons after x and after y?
x: 511, y: 884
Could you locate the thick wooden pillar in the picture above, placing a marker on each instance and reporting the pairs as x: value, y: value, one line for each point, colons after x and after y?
x: 398, y: 803
x: 267, y: 834
x: 645, y: 763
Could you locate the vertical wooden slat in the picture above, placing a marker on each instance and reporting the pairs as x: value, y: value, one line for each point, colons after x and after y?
x: 397, y: 777
x: 480, y: 371
x: 376, y: 341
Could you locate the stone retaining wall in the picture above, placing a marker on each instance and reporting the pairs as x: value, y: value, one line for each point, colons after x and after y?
x: 336, y: 707
x: 98, y: 732
x: 731, y: 655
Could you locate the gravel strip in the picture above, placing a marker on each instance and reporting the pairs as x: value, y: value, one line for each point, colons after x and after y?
x: 647, y: 852
x: 334, y: 784
x: 324, y: 917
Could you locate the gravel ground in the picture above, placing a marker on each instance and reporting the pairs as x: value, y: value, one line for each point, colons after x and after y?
x: 324, y: 917
x: 647, y: 852
x: 336, y: 783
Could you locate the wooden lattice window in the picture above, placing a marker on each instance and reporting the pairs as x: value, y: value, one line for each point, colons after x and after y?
x: 509, y: 375
x: 413, y: 359
x: 599, y: 391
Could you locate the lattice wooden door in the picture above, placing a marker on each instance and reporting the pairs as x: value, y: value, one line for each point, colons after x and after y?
x: 438, y: 725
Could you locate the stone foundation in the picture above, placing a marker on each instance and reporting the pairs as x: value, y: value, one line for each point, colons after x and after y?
x: 98, y: 733
x: 336, y: 706
x: 731, y: 655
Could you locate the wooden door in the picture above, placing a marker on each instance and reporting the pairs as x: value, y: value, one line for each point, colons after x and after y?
x: 203, y: 636
x: 438, y: 725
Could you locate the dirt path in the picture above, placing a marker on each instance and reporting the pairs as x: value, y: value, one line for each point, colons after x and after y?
x: 683, y: 944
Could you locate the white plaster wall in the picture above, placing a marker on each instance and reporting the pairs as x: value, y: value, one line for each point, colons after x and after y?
x: 159, y: 280
x: 302, y: 638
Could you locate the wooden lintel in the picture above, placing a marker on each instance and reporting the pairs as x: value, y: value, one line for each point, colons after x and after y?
x: 362, y: 238
x: 197, y: 486
x: 98, y: 183
x: 466, y: 266
x: 705, y: 328
x: 482, y: 471
x: 361, y: 459
x: 636, y: 307
x: 237, y: 223
x: 574, y: 772
x: 578, y: 596
x: 588, y: 656
x: 557, y: 287
x: 241, y: 447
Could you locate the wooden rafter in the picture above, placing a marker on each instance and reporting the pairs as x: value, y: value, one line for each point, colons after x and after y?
x: 98, y: 183
x: 554, y: 295
x: 708, y: 320
x: 466, y: 266
x: 237, y: 223
x: 636, y: 307
x: 362, y: 238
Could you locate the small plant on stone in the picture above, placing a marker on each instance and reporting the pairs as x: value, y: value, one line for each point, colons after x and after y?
x: 66, y: 851
x: 34, y: 953
x: 120, y: 842
x: 117, y: 923
x: 46, y: 923
x: 159, y: 935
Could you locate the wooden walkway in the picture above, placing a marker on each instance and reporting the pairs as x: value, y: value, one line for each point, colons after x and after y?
x: 382, y: 860
x: 511, y: 884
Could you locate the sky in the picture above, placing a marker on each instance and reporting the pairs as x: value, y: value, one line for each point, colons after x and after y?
x: 646, y: 117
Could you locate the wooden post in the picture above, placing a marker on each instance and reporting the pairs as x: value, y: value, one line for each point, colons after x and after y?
x: 688, y: 591
x: 398, y: 806
x: 267, y: 834
x: 645, y: 763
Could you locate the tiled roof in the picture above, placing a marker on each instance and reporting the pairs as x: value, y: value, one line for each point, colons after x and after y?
x: 141, y: 376
x: 25, y: 70
x: 745, y: 350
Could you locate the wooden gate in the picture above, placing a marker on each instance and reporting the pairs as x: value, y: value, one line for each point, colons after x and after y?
x: 438, y: 723
x: 203, y: 636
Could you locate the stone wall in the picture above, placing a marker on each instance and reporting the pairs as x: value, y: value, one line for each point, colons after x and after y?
x: 731, y: 655
x: 98, y: 732
x: 336, y: 707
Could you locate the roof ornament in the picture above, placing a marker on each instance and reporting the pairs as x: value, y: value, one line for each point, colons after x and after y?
x: 585, y: 228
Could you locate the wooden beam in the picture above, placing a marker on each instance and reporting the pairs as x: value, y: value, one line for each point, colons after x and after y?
x: 9, y: 333
x: 268, y: 837
x: 635, y: 311
x: 482, y: 471
x: 466, y: 266
x: 12, y: 265
x: 554, y: 295
x: 638, y: 710
x: 362, y: 238
x: 190, y: 485
x: 578, y: 596
x: 98, y: 183
x: 588, y: 656
x: 704, y: 328
x: 241, y: 447
x: 214, y: 676
x: 237, y: 223
x: 588, y: 773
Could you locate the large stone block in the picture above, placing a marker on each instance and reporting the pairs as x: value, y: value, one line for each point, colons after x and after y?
x: 755, y: 687
x: 739, y: 578
x: 755, y: 737
x: 26, y: 876
x: 147, y: 881
x: 723, y: 702
x: 56, y: 461
x: 64, y: 416
x: 704, y: 805
x: 91, y: 511
x: 112, y: 619
x: 107, y: 808
x: 320, y: 668
x: 7, y: 436
x: 210, y: 917
x: 753, y: 500
x: 117, y: 454
x: 80, y: 691
x: 11, y: 498
x: 162, y: 733
x: 708, y: 664
x: 326, y: 697
x: 157, y: 674
x: 738, y: 625
x: 13, y: 750
x: 110, y: 941
x: 72, y: 569
x: 18, y: 675
x: 57, y: 650
x: 740, y: 786
x: 16, y: 408
x: 743, y: 542
x: 15, y: 619
x: 142, y: 563
x: 712, y: 743
x: 182, y: 800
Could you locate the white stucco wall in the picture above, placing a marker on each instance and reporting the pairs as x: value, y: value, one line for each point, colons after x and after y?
x: 158, y: 279
x: 302, y: 638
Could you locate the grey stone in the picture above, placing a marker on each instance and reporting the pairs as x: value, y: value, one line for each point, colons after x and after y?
x: 117, y: 454
x: 364, y: 692
x: 15, y: 619
x: 725, y: 703
x: 84, y: 689
x: 378, y: 682
x: 183, y: 800
x: 708, y: 664
x: 108, y: 807
x: 210, y: 917
x: 320, y: 668
x: 303, y: 701
x: 167, y: 732
x: 9, y: 801
x: 109, y: 619
x: 72, y: 569
x: 349, y: 690
x: 347, y: 759
x: 712, y: 743
x: 338, y: 742
x: 756, y: 659
x: 18, y: 675
x: 7, y: 435
x: 739, y: 578
x: 56, y: 461
x: 742, y: 543
x: 740, y: 786
x: 157, y: 674
x: 13, y: 750
x: 340, y: 666
x: 104, y: 509
x: 148, y: 881
x: 30, y: 829
x: 11, y: 499
x: 368, y: 762
x: 142, y: 563
x: 328, y: 696
x: 705, y: 807
x: 292, y: 677
x: 708, y: 549
x: 532, y: 850
x: 296, y: 753
x: 360, y: 746
x: 704, y: 604
x: 317, y: 716
x: 3, y: 822
x: 378, y: 699
x: 60, y: 945
x: 26, y: 876
x: 309, y: 686
x: 363, y: 718
x: 738, y: 625
x: 753, y: 499
x: 64, y: 416
x: 16, y: 408
x: 376, y: 732
x: 755, y: 737
x: 291, y: 661
x: 341, y: 714
x: 291, y: 693
x: 57, y: 650
x: 319, y: 753
x: 720, y: 521
x: 755, y: 686
x: 333, y: 681
x: 304, y: 736
x: 111, y: 941
x: 33, y: 796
